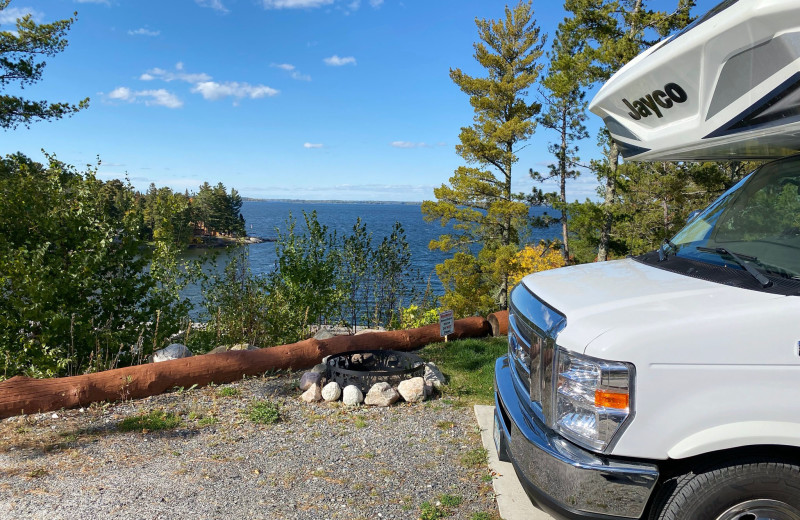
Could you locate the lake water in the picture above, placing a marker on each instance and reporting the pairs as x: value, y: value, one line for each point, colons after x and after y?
x: 263, y: 218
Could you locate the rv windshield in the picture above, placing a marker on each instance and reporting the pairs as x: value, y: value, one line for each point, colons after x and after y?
x: 757, y: 220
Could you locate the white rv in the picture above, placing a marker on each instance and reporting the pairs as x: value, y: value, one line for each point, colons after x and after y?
x: 667, y: 386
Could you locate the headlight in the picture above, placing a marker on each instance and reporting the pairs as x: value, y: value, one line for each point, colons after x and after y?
x: 593, y: 398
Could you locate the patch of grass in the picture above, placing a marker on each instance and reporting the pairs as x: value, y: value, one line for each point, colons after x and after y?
x: 428, y: 511
x: 450, y: 500
x: 484, y: 516
x: 264, y: 412
x: 153, y: 421
x: 38, y: 473
x: 469, y: 366
x: 360, y: 422
x: 488, y: 477
x: 208, y: 420
x: 228, y: 391
x: 474, y: 458
x: 445, y: 425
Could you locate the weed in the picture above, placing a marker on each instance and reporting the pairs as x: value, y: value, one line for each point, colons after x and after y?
x: 487, y: 478
x: 360, y: 422
x: 474, y: 458
x: 264, y: 412
x: 228, y: 391
x: 38, y: 473
x: 450, y: 500
x: 445, y: 425
x: 152, y: 421
x: 483, y: 516
x: 208, y: 420
x: 428, y: 511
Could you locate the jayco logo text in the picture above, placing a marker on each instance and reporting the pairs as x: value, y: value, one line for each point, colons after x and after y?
x: 659, y: 99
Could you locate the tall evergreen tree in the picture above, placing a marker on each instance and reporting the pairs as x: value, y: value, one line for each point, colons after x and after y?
x: 479, y: 200
x: 615, y: 32
x: 566, y: 112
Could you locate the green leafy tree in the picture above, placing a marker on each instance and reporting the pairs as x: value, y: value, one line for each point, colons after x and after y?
x: 485, y: 212
x: 615, y: 32
x: 565, y: 115
x: 20, y: 64
x: 78, y: 289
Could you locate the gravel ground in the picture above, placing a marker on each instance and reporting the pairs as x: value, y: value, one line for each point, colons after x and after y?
x: 321, y: 461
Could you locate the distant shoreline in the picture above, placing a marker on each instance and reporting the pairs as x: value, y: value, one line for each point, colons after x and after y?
x: 308, y: 201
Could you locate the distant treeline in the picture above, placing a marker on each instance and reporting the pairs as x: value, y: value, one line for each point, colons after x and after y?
x: 179, y: 218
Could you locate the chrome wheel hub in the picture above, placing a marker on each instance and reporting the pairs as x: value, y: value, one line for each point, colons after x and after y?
x: 761, y: 509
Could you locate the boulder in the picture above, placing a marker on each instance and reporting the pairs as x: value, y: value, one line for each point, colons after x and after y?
x: 412, y: 390
x: 320, y: 369
x: 174, y: 351
x: 381, y: 394
x: 332, y: 391
x: 324, y: 334
x: 433, y: 375
x: 352, y: 396
x: 312, y: 395
x: 243, y: 346
x: 308, y: 379
x: 219, y: 349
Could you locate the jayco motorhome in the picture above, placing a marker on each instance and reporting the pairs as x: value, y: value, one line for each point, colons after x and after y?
x: 667, y: 386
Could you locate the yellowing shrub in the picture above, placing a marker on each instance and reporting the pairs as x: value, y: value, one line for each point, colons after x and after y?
x: 533, y: 259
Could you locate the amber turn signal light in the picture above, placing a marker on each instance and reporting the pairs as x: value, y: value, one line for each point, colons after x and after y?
x: 611, y: 399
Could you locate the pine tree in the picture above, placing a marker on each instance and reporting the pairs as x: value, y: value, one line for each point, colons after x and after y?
x: 615, y: 32
x: 565, y: 115
x: 479, y: 201
x: 20, y: 51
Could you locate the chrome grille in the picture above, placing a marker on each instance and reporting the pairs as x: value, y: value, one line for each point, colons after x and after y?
x: 533, y: 326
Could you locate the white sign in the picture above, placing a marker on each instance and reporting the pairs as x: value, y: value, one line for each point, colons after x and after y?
x: 446, y: 323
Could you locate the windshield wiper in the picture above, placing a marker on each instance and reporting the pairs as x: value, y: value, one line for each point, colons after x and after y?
x: 742, y: 260
x: 663, y: 255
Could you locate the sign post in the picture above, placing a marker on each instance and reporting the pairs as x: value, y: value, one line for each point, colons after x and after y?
x: 446, y: 324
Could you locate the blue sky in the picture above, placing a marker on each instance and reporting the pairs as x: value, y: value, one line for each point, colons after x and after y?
x: 296, y: 99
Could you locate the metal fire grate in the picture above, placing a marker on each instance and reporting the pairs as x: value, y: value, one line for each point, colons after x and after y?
x: 364, y: 368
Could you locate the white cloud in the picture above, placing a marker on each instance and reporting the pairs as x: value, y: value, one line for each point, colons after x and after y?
x: 159, y: 97
x: 178, y: 74
x: 216, y: 5
x: 10, y: 15
x: 294, y: 4
x: 288, y: 67
x: 212, y: 90
x: 376, y: 3
x: 312, y: 145
x: 143, y: 31
x: 409, y: 144
x: 336, y: 61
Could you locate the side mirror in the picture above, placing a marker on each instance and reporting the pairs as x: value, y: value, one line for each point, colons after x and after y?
x: 693, y: 215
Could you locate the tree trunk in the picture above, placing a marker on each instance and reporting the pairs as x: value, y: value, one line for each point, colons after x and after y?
x: 562, y: 166
x: 608, y: 202
x: 27, y: 395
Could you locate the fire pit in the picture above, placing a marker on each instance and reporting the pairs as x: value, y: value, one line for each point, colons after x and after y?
x: 364, y: 368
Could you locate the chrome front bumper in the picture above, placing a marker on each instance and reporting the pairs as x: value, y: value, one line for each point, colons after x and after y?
x: 561, y: 478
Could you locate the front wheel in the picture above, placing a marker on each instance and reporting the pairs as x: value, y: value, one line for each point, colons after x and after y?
x: 755, y: 490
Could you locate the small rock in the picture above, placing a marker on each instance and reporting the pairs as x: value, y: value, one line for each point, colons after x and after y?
x: 217, y: 350
x: 332, y: 391
x: 381, y: 394
x: 243, y: 346
x: 321, y: 369
x: 174, y: 351
x: 433, y: 375
x: 54, y: 416
x: 308, y: 379
x: 325, y: 360
x: 324, y: 334
x: 352, y: 395
x: 412, y: 390
x: 312, y: 395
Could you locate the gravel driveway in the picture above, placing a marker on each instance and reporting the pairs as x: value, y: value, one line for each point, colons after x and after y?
x: 321, y: 461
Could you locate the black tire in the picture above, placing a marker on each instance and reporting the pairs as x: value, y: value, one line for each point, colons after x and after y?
x: 752, y: 490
